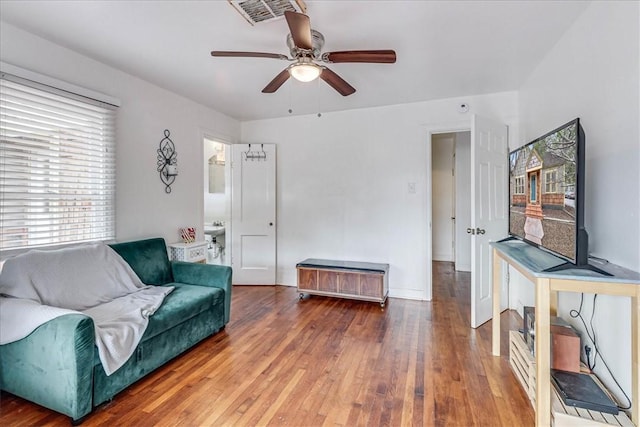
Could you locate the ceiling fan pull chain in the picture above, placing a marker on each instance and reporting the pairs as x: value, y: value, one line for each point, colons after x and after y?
x: 318, y: 97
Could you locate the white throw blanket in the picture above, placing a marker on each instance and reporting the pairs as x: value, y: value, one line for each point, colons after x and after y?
x: 90, y: 279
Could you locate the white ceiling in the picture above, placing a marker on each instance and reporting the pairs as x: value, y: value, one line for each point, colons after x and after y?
x: 444, y: 48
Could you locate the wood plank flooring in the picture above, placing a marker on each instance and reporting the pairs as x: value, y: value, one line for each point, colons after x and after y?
x: 325, y: 361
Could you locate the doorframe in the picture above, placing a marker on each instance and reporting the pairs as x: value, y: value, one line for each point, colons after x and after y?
x: 451, y: 151
x: 450, y: 127
x: 227, y: 140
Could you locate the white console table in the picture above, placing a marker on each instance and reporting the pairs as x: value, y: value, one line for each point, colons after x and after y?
x: 531, y: 262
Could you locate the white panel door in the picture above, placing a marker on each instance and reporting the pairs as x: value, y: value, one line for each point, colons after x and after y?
x: 489, y: 220
x: 253, y: 214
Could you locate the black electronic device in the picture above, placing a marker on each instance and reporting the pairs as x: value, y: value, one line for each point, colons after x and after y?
x: 546, y: 195
x: 581, y: 391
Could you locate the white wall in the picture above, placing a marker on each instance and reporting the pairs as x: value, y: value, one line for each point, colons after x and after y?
x: 143, y: 209
x: 593, y: 73
x: 343, y: 183
x: 442, y: 196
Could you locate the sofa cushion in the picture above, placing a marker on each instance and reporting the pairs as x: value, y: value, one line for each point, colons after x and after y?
x: 185, y: 302
x: 148, y: 258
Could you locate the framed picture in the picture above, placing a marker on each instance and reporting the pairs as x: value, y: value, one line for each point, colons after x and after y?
x: 188, y: 234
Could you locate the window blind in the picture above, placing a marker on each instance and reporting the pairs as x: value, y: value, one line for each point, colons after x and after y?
x: 57, y: 166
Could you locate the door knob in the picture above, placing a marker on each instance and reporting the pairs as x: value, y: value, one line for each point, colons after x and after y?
x: 479, y: 231
x: 471, y: 231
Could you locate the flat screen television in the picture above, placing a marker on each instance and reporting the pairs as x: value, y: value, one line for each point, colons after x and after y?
x: 546, y: 194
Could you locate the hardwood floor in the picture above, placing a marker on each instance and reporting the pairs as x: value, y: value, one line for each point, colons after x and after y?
x: 325, y: 361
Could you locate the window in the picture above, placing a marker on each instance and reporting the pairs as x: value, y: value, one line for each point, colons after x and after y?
x: 57, y: 166
x: 519, y: 187
x: 551, y: 181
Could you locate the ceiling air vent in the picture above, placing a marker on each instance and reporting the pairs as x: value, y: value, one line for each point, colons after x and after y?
x: 255, y: 11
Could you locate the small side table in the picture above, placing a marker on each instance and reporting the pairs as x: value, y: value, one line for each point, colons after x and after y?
x: 189, y: 252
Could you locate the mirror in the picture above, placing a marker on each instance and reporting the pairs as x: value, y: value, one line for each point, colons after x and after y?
x: 216, y: 169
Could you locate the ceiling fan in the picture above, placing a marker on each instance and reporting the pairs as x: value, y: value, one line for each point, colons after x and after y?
x: 305, y: 46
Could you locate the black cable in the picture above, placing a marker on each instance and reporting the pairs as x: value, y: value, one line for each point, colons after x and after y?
x: 592, y: 336
x: 578, y: 315
x: 593, y: 332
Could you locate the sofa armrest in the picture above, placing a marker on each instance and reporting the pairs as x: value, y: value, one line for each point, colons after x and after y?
x: 53, y: 366
x: 218, y: 276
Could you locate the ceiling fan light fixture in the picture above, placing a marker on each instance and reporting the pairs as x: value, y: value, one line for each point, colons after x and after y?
x: 305, y: 71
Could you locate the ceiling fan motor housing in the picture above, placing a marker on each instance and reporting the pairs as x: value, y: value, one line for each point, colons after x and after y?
x: 317, y: 40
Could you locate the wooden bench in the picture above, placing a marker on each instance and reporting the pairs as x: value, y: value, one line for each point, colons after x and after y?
x: 345, y: 279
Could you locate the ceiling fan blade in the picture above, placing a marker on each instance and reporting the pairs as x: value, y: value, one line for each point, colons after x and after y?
x: 370, y: 56
x: 278, y: 81
x: 234, y: 54
x: 336, y: 82
x: 300, y: 28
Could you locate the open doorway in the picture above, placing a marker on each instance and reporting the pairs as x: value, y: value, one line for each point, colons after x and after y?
x: 487, y: 183
x: 451, y: 198
x: 217, y: 200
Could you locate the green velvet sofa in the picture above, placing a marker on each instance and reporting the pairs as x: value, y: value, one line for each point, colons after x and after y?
x: 57, y: 365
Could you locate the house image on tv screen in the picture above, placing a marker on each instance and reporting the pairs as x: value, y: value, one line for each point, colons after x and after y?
x: 542, y: 195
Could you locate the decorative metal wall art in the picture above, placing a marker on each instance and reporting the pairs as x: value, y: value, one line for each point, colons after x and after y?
x: 167, y: 161
x: 255, y: 154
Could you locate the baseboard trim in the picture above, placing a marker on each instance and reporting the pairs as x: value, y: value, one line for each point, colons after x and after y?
x: 443, y: 257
